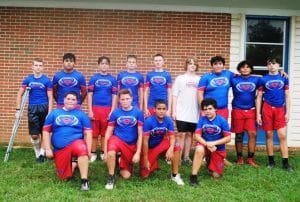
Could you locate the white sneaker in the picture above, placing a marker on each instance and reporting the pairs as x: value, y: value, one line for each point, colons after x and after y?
x: 93, y: 158
x: 110, y: 182
x: 178, y: 180
x: 102, y: 156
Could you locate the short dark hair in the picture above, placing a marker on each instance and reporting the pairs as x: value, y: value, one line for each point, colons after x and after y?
x: 131, y: 56
x: 124, y: 91
x: 158, y: 55
x: 70, y: 56
x: 217, y: 59
x: 272, y: 60
x: 208, y: 101
x: 243, y: 63
x: 100, y: 59
x: 71, y: 93
x: 160, y: 101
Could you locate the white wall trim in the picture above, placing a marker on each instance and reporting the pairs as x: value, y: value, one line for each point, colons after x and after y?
x: 226, y: 7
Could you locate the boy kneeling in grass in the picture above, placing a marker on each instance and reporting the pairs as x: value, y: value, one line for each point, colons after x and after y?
x: 211, y: 135
x: 159, y: 138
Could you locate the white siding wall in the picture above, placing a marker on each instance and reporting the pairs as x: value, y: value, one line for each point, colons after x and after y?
x: 294, y: 124
x: 237, y: 54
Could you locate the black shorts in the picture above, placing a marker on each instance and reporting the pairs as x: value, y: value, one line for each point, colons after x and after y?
x: 183, y: 126
x: 36, y: 118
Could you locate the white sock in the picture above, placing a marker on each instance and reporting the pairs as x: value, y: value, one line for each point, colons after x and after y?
x: 36, y: 147
x: 42, y: 152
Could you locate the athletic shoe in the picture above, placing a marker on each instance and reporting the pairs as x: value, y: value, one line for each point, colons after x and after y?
x: 101, y: 156
x: 177, y: 179
x: 188, y: 161
x: 271, y: 165
x: 41, y: 159
x: 288, y: 168
x: 252, y: 162
x: 194, y: 181
x: 203, y: 163
x: 110, y: 182
x: 240, y: 160
x: 93, y: 157
x: 85, y: 185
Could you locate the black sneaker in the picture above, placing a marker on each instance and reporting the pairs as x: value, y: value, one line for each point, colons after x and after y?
x: 41, y: 159
x: 85, y: 185
x: 194, y: 181
x: 288, y: 168
x: 271, y: 165
x: 110, y: 184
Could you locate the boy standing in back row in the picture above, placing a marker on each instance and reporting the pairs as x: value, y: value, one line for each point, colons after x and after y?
x: 40, y: 103
x: 102, y: 100
x: 243, y: 116
x: 133, y: 80
x: 158, y: 86
x: 273, y: 113
x: 67, y: 80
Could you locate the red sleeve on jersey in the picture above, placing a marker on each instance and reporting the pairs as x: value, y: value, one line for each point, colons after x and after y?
x: 47, y: 128
x: 170, y: 133
x: 226, y: 133
x: 147, y: 133
x: 201, y: 88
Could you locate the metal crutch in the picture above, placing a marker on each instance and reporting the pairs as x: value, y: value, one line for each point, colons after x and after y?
x: 16, y: 124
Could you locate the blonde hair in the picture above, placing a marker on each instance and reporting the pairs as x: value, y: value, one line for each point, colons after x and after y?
x: 191, y: 60
x: 37, y: 60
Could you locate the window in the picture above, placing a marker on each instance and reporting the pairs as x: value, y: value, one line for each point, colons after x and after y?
x: 266, y: 37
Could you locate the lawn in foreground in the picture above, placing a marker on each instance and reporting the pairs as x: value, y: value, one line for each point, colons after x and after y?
x: 22, y: 179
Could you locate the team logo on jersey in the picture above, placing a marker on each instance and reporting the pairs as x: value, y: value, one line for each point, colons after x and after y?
x: 66, y: 120
x: 67, y: 82
x: 211, y: 129
x: 218, y: 82
x: 103, y: 82
x: 129, y: 81
x: 274, y: 84
x: 191, y: 84
x: 158, y: 131
x: 158, y: 80
x: 36, y: 85
x: 128, y: 121
x: 246, y: 87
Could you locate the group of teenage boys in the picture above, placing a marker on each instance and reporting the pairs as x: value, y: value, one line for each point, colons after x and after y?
x: 133, y: 116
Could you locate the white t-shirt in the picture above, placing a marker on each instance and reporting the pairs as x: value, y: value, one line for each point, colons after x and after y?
x: 185, y: 89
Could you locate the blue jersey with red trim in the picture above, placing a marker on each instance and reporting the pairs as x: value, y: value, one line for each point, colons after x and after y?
x: 66, y: 126
x: 213, y: 130
x: 244, y: 91
x: 274, y: 87
x: 38, y: 89
x: 216, y: 86
x: 65, y: 82
x: 132, y: 81
x: 103, y: 87
x: 157, y: 130
x: 126, y: 124
x: 158, y: 83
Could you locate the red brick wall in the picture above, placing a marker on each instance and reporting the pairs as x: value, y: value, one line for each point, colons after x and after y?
x: 26, y: 33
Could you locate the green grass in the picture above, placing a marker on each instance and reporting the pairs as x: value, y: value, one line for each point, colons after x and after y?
x: 22, y: 179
